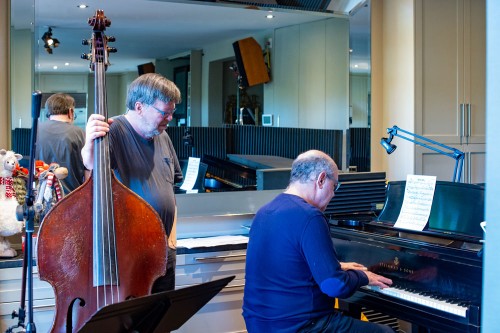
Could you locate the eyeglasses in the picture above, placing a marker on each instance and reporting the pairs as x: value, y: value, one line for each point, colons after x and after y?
x: 336, y: 183
x: 164, y: 113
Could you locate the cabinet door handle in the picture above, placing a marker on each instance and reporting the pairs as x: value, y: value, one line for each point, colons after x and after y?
x: 462, y: 122
x: 469, y: 163
x: 231, y: 257
x: 468, y: 121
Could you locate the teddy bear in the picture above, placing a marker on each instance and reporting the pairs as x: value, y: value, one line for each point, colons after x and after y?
x: 9, y: 225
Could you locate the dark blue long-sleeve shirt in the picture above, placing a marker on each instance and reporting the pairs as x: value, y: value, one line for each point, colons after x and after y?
x: 292, y: 271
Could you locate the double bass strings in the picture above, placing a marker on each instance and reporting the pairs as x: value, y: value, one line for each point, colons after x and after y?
x: 106, y: 270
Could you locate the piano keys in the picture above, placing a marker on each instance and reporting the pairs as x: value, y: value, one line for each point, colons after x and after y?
x: 437, y: 273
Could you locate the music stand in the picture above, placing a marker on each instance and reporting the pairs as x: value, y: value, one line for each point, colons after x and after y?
x: 157, y: 313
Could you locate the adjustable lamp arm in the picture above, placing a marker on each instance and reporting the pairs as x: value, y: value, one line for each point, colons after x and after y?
x: 456, y: 154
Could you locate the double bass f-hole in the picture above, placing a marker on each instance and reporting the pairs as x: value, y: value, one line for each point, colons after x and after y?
x: 102, y: 243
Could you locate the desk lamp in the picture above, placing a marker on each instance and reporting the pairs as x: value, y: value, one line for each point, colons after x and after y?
x: 456, y: 154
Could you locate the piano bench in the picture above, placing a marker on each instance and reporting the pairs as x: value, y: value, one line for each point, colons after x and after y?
x: 349, y: 309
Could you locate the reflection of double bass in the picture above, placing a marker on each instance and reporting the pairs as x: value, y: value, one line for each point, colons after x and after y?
x: 102, y: 244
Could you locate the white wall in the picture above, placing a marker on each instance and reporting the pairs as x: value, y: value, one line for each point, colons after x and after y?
x: 491, y: 292
x: 310, y: 75
x: 359, y: 90
x: 393, y: 84
x: 21, y: 78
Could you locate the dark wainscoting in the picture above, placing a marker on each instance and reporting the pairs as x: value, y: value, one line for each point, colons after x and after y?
x: 358, y: 139
x: 235, y: 139
x: 21, y: 141
x: 256, y: 140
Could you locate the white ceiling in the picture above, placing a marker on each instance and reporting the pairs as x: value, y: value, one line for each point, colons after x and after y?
x: 147, y: 29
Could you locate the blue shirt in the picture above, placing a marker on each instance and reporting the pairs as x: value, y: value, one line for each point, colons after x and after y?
x: 292, y: 271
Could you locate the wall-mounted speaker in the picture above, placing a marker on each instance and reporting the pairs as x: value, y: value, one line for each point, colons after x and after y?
x: 146, y: 68
x: 250, y: 61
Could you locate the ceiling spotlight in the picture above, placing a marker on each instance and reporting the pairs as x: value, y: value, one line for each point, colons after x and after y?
x: 82, y: 6
x: 49, y: 42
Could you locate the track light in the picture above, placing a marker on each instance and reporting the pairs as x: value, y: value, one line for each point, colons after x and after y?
x: 49, y: 42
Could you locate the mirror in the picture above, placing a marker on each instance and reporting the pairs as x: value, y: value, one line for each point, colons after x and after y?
x: 360, y: 89
x: 309, y: 85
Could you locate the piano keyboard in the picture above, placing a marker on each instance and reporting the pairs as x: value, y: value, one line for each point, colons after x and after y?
x: 421, y: 299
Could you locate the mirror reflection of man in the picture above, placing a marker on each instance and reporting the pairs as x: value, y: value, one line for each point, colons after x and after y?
x: 60, y: 141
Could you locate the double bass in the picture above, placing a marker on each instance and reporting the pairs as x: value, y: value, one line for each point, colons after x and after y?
x: 101, y: 244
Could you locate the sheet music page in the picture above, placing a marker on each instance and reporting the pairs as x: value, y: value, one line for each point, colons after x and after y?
x: 417, y: 202
x: 191, y: 174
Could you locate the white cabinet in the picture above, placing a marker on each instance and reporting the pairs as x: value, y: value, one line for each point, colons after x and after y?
x: 450, y: 81
x: 10, y: 295
x: 432, y: 163
x: 223, y: 312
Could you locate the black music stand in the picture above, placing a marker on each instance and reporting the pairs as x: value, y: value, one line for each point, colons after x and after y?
x: 157, y: 313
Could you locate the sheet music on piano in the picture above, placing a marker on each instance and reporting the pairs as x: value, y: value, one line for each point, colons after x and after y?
x: 417, y: 202
x: 191, y: 175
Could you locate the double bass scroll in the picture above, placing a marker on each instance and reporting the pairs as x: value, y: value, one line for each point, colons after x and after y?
x: 101, y: 244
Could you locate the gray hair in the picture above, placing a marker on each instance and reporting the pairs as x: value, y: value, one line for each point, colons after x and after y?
x: 150, y: 87
x: 58, y: 104
x: 307, y: 166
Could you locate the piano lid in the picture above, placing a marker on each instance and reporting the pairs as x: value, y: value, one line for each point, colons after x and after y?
x: 457, y: 208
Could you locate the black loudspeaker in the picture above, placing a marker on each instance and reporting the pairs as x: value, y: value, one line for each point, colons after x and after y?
x: 146, y: 68
x: 250, y: 61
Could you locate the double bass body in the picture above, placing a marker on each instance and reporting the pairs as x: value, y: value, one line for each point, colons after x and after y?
x: 65, y: 253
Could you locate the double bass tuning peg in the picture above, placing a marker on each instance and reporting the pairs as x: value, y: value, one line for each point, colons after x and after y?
x: 86, y: 56
x: 111, y: 38
x: 112, y: 49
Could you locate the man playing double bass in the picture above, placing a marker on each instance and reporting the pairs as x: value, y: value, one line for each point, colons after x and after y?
x: 142, y: 155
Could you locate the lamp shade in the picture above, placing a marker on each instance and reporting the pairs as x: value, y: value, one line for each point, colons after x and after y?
x: 388, y: 146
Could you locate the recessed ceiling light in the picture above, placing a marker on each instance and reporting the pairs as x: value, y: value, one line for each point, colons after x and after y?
x: 55, y: 67
x: 66, y: 64
x: 82, y: 6
x: 269, y: 16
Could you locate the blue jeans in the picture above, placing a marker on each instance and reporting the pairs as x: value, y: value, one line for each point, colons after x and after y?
x: 167, y: 281
x: 335, y: 322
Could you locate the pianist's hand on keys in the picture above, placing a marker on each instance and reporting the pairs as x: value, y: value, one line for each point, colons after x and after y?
x: 352, y: 265
x: 378, y: 280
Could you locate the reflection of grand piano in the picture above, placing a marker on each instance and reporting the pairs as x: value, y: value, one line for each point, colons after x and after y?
x: 437, y: 273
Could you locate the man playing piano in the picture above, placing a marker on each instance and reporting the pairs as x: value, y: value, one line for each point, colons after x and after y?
x: 292, y: 271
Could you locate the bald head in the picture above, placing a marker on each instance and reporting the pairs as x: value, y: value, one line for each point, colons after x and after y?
x: 307, y: 167
x: 314, y: 177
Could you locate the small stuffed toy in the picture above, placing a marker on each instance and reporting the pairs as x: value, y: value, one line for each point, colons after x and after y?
x: 9, y: 225
x: 49, y: 187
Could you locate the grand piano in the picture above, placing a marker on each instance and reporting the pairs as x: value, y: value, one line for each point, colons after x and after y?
x: 436, y: 273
